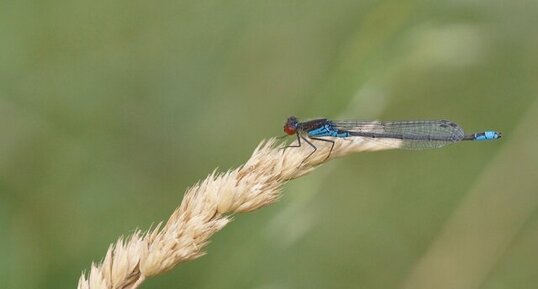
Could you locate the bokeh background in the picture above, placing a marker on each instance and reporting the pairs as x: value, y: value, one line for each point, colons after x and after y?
x: 110, y: 109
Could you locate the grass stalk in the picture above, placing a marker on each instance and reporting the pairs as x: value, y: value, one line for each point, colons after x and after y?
x: 206, y: 208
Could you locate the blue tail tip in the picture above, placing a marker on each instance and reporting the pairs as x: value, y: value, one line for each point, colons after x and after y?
x: 488, y: 135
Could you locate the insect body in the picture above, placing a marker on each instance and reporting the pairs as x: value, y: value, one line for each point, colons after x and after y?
x: 412, y: 134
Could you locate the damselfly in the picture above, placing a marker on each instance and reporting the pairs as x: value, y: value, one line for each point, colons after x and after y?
x: 412, y: 134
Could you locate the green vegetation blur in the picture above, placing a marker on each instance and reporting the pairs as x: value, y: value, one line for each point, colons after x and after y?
x: 110, y: 109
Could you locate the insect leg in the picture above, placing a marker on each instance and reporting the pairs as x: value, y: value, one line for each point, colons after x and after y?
x: 326, y: 140
x: 312, y: 145
x: 294, y: 146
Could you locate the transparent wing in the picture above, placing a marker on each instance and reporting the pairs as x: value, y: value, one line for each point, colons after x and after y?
x: 414, y: 134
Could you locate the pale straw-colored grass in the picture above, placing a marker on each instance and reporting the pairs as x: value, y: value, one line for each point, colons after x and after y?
x: 207, y: 207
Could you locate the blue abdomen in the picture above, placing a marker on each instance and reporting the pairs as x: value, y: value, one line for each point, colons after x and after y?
x: 487, y: 135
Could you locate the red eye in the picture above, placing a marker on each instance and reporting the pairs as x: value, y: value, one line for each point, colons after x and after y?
x: 289, y: 130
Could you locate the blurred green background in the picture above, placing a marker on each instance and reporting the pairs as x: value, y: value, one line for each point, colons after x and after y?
x: 110, y: 109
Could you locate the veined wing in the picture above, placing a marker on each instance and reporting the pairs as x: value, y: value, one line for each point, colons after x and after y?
x: 414, y: 134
